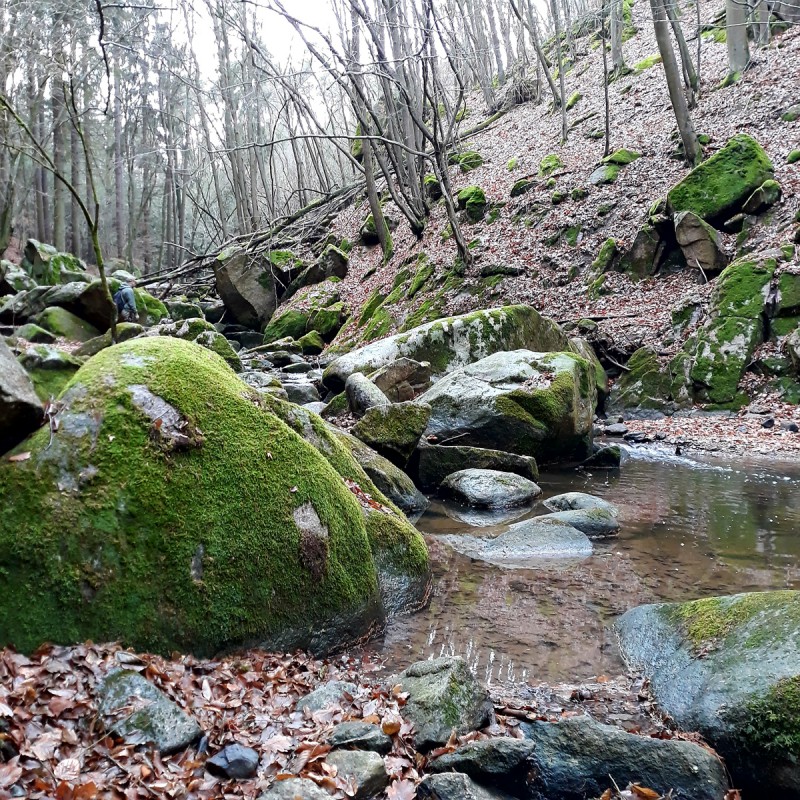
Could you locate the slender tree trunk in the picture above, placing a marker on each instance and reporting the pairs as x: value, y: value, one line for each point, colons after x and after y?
x: 736, y: 31
x: 689, y: 75
x: 607, y: 138
x: 617, y: 59
x: 691, y: 146
x: 59, y: 158
x: 119, y: 181
x: 557, y: 25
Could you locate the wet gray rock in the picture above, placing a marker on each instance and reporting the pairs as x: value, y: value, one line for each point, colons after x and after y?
x: 534, y: 404
x: 502, y: 763
x: 360, y: 736
x: 364, y: 767
x: 363, y: 394
x: 139, y: 713
x: 332, y: 693
x: 574, y: 759
x: 596, y: 523
x: 402, y: 379
x: 455, y: 786
x: 489, y: 488
x: 21, y: 411
x: 578, y: 501
x: 387, y: 477
x: 525, y: 543
x: 294, y: 789
x: 616, y: 429
x: 433, y: 463
x: 604, y: 457
x: 728, y: 667
x: 443, y: 696
x: 234, y: 761
x: 301, y: 392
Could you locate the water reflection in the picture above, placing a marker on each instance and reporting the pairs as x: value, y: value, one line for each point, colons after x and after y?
x: 688, y: 530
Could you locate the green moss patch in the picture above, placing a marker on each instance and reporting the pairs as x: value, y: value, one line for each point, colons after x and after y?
x: 605, y: 255
x: 622, y: 157
x: 647, y: 63
x: 549, y: 164
x: 177, y: 516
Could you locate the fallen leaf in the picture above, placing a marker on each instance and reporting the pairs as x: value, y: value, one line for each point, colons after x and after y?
x: 20, y: 457
x: 644, y: 793
x: 68, y: 770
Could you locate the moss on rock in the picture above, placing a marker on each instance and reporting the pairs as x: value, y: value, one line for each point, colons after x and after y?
x: 549, y: 164
x: 63, y: 323
x: 716, y: 189
x: 49, y: 368
x: 472, y: 199
x: 174, y: 511
x: 605, y: 255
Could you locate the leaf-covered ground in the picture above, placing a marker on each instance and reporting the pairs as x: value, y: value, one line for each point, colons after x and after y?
x: 53, y: 745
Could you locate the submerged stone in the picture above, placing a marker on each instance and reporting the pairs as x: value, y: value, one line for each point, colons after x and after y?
x: 488, y: 488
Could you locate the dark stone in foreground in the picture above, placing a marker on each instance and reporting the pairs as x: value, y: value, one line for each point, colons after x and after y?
x: 234, y: 761
x: 575, y: 758
x: 20, y: 410
x: 503, y: 763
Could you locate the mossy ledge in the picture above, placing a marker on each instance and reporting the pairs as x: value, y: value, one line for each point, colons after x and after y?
x: 170, y: 523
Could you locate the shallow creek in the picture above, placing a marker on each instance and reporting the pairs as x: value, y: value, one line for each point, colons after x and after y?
x: 689, y: 529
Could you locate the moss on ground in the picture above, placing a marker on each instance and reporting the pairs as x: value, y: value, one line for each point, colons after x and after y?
x: 647, y: 63
x: 605, y: 255
x: 573, y: 99
x: 549, y: 164
x: 117, y: 531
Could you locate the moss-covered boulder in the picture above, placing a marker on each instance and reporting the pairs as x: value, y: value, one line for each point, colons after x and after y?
x: 369, y: 231
x: 763, y: 198
x: 622, y: 157
x: 605, y: 255
x: 20, y: 408
x: 724, y: 346
x: 646, y: 385
x: 246, y: 284
x: 452, y: 342
x: 717, y: 189
x: 217, y: 343
x: 47, y: 266
x: 183, y: 309
x: 728, y: 667
x: 314, y: 308
x: 605, y: 173
x: 466, y: 160
x: 393, y: 430
x: 522, y: 186
x: 31, y: 332
x: 333, y: 262
x: 173, y: 509
x: 65, y: 324
x: 432, y: 187
x: 187, y: 329
x: 549, y: 164
x: 49, y: 368
x: 14, y: 279
x: 472, y: 199
x: 311, y: 343
x: 642, y: 258
x: 533, y: 404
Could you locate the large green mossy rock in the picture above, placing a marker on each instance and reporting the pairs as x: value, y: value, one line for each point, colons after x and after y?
x: 716, y: 189
x: 393, y: 430
x: 532, y: 404
x: 14, y: 279
x: 453, y: 342
x: 47, y: 266
x: 171, y: 509
x: 65, y: 324
x: 313, y: 308
x: 724, y: 347
x: 646, y: 385
x: 472, y: 200
x: 728, y: 667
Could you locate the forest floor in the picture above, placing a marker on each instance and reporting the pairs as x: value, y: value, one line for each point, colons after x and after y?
x: 54, y: 745
x: 555, y: 273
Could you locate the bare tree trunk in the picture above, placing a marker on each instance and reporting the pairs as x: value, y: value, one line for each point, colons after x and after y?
x: 498, y: 55
x: 736, y: 30
x: 59, y: 159
x: 557, y: 25
x: 689, y: 75
x: 691, y: 146
x: 607, y: 147
x: 119, y: 181
x: 617, y: 59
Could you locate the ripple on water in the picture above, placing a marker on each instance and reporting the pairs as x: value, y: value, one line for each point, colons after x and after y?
x: 689, y: 529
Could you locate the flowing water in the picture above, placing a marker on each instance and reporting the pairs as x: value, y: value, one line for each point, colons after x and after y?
x: 689, y: 529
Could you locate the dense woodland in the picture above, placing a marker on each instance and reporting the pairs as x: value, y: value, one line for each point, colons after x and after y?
x: 169, y: 130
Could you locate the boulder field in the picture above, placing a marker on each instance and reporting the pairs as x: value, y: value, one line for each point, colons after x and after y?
x: 171, y: 508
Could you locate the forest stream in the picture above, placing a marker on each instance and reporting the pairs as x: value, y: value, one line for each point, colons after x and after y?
x: 689, y: 529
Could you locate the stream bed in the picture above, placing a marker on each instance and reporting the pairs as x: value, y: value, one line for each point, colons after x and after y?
x: 689, y: 529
